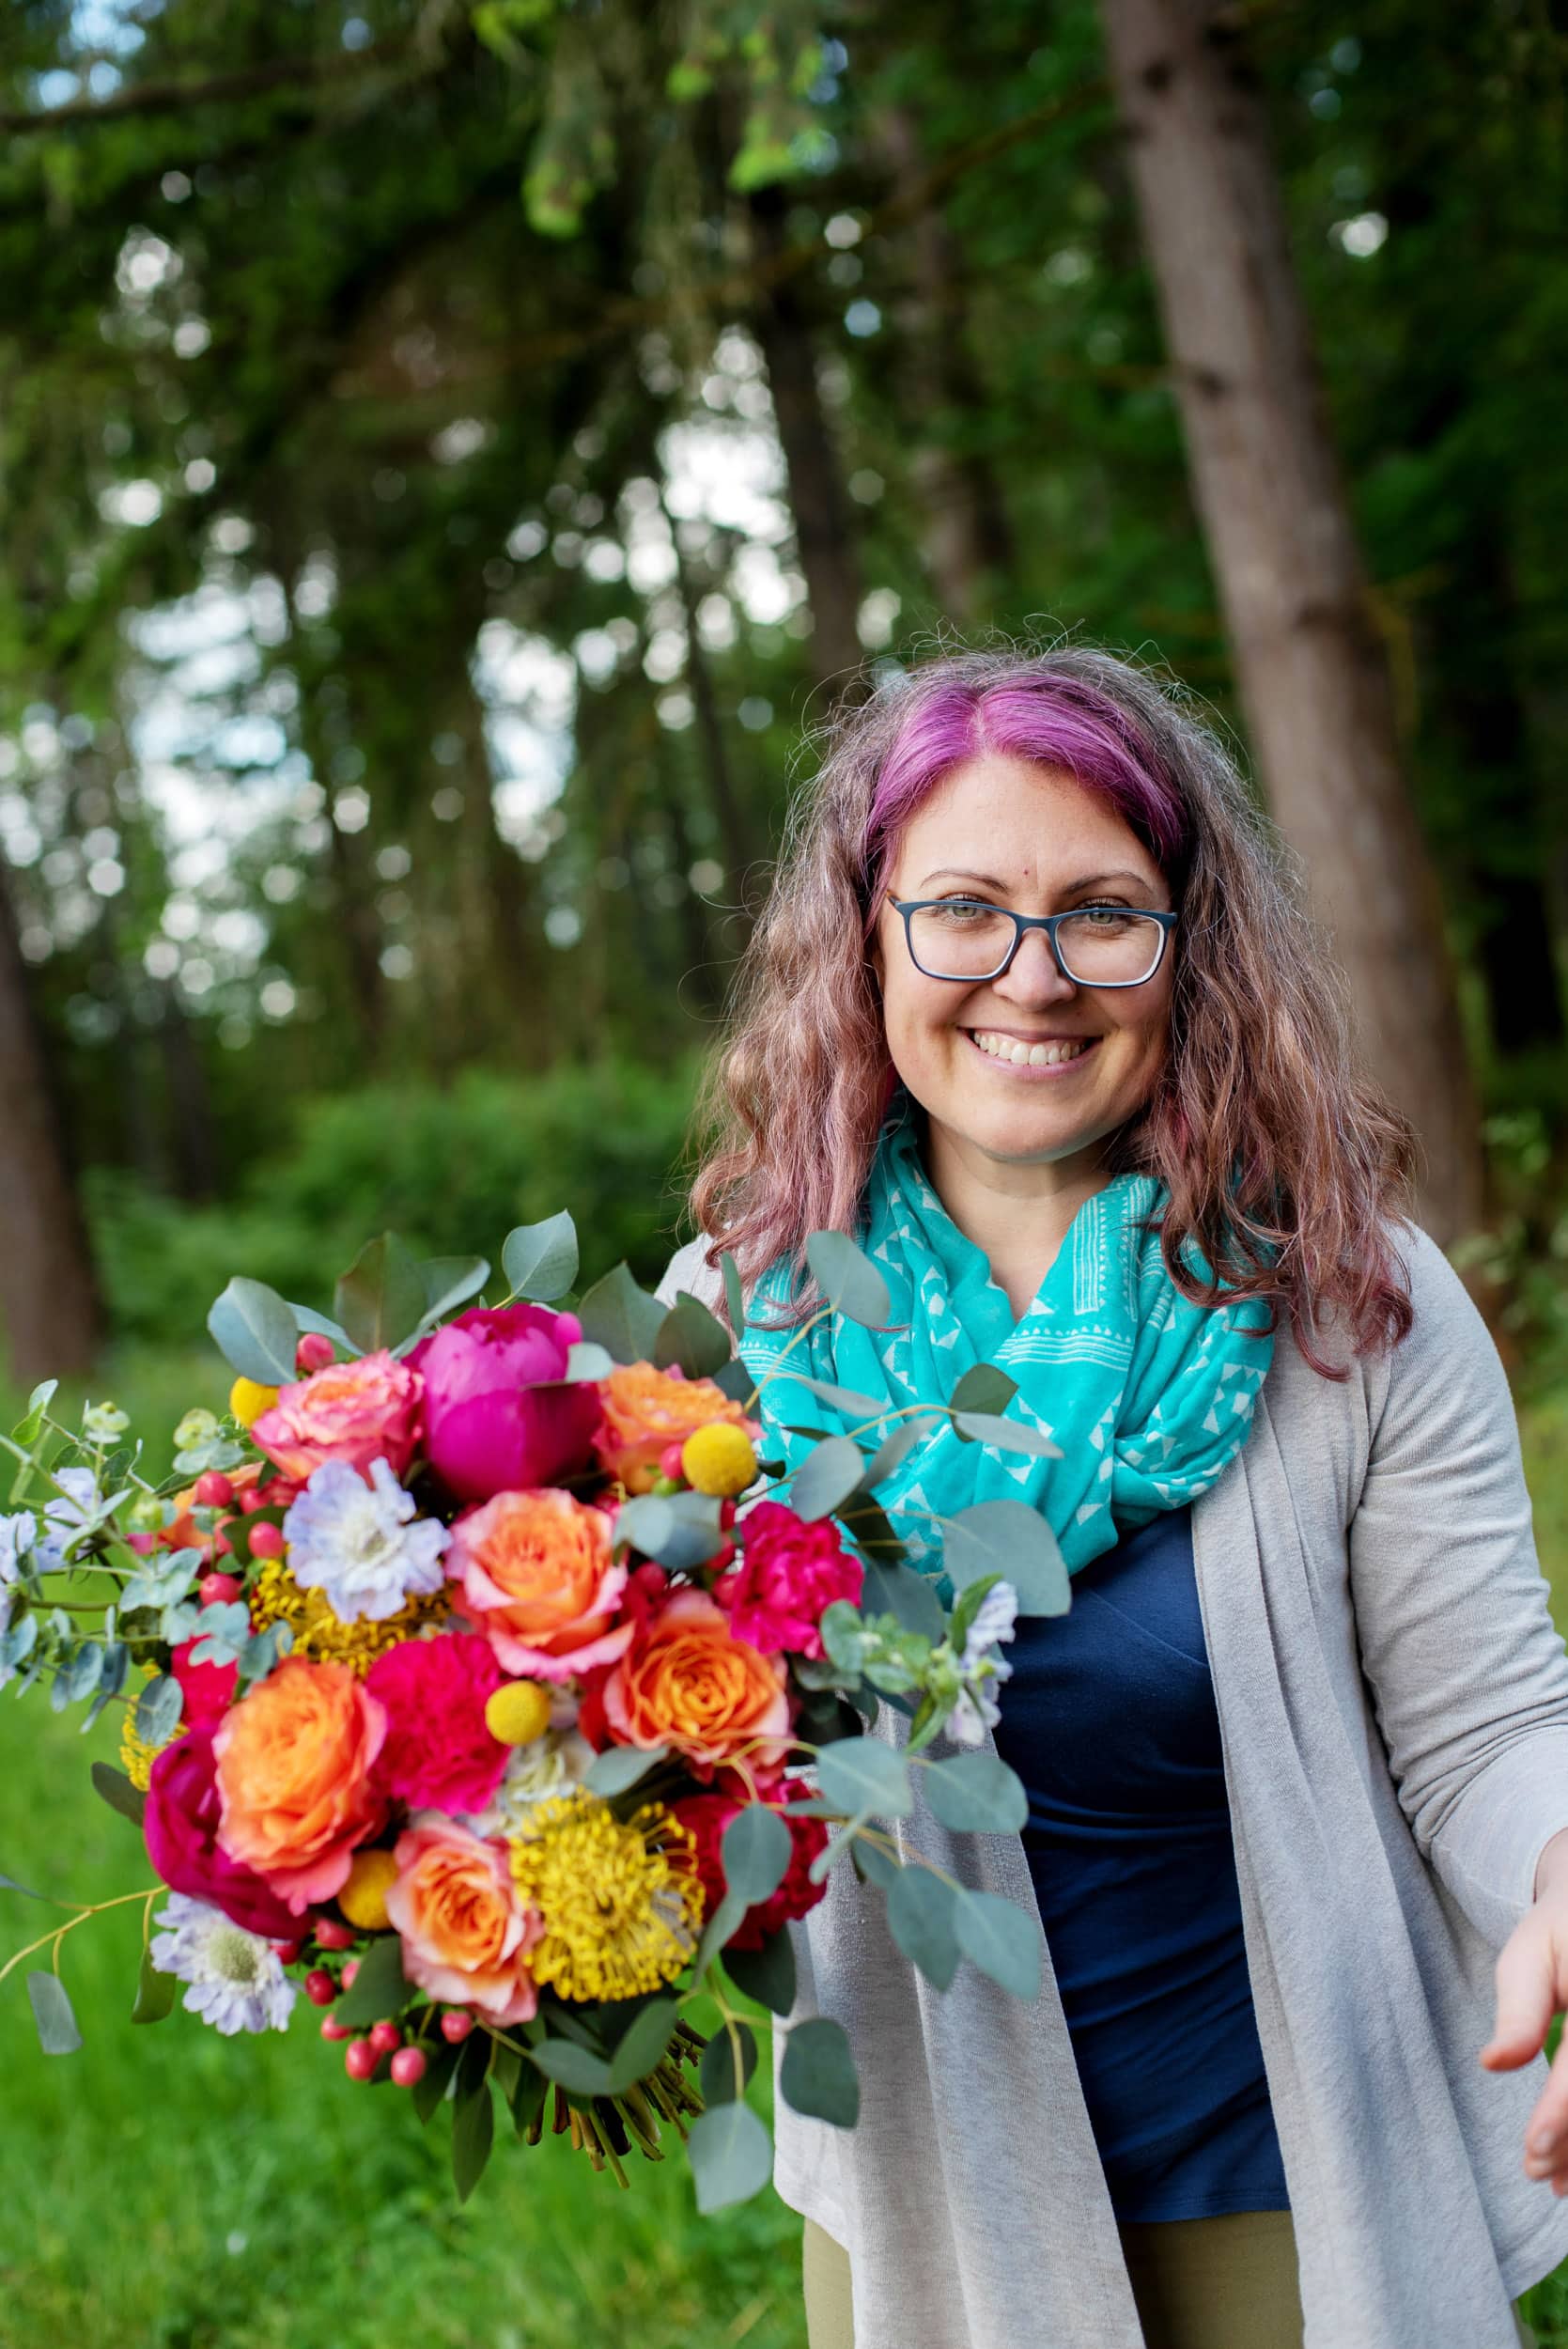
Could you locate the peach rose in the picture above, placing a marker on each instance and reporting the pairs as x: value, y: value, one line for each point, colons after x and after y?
x: 645, y: 1409
x: 466, y: 1935
x: 294, y: 1778
x: 687, y: 1682
x: 354, y: 1412
x: 538, y: 1577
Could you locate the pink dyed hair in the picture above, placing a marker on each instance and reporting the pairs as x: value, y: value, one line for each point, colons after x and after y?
x: 1285, y: 1171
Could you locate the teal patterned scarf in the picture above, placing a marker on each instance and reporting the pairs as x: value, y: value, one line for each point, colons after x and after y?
x: 1149, y: 1396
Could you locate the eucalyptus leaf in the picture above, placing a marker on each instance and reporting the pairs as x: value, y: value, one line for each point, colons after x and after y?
x: 621, y: 1316
x: 899, y: 1591
x: 827, y: 1477
x: 1001, y: 1940
x: 618, y: 1768
x: 380, y: 1989
x: 577, y: 2070
x: 873, y: 1865
x: 920, y: 1920
x: 528, y: 2096
x: 755, y: 1852
x: 766, y: 1974
x: 734, y: 1379
x: 984, y: 1386
x: 849, y: 1280
x: 976, y: 1794
x: 845, y: 1399
x: 450, y: 1281
x: 51, y: 2012
x: 716, y: 2071
x: 1010, y: 1539
x: 894, y: 1447
x: 721, y: 1924
x: 586, y: 1363
x: 540, y: 1260
x: 9, y: 1884
x: 861, y: 1774
x: 642, y: 2043
x: 689, y: 1336
x: 255, y: 1331
x: 817, y: 2074
x: 118, y: 1793
x: 473, y: 2135
x: 381, y: 1299
x: 430, y: 2088
x: 159, y: 1708
x: 155, y: 1993
x: 322, y: 1326
x: 731, y: 2156
x: 681, y: 1529
x: 1004, y: 1435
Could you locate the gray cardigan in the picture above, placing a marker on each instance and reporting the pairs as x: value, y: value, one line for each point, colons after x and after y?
x: 1394, y: 1709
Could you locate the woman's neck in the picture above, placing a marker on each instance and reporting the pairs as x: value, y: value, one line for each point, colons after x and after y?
x: 1016, y: 1214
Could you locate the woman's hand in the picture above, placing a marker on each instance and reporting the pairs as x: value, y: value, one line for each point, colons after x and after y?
x: 1533, y: 1986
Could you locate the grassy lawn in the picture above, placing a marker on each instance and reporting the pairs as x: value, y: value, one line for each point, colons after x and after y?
x: 167, y: 2189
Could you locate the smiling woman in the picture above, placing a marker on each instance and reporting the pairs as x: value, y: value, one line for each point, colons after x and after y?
x: 1035, y: 1015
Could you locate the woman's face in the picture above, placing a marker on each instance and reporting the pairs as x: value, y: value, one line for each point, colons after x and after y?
x: 1030, y: 838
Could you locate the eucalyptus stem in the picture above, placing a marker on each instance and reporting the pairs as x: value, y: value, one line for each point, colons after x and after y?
x: 57, y: 1933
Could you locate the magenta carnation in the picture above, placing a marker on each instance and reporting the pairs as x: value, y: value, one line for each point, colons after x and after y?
x: 496, y: 1418
x: 789, y: 1571
x: 181, y: 1824
x: 439, y: 1755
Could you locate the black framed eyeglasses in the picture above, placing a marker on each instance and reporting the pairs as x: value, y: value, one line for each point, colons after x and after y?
x: 968, y: 939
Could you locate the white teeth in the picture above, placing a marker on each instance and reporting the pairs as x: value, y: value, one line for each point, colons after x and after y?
x: 1030, y: 1055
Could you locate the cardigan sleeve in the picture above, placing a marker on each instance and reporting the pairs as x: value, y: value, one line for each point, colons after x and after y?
x: 687, y: 1270
x: 1468, y: 1672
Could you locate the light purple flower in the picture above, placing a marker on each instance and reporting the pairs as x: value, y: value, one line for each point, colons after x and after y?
x: 361, y: 1544
x: 235, y: 1980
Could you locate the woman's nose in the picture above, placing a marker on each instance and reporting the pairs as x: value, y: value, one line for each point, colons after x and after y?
x: 1032, y: 976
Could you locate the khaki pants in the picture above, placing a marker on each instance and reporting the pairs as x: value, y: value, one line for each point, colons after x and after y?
x: 1200, y: 2283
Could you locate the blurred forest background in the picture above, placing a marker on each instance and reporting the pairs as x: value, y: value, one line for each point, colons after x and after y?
x: 452, y: 452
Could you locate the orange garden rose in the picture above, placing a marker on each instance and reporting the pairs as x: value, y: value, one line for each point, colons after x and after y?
x: 466, y: 1934
x: 645, y: 1409
x: 686, y: 1682
x: 538, y: 1579
x: 356, y: 1411
x: 294, y: 1778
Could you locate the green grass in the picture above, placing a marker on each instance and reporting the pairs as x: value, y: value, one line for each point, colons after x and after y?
x: 167, y: 2189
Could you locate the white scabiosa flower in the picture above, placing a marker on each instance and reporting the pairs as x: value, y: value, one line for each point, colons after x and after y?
x: 234, y: 1980
x: 361, y: 1544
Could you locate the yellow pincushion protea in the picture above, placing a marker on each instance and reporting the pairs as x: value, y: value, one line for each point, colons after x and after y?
x: 323, y: 1637
x: 719, y: 1460
x: 137, y: 1754
x: 620, y: 1899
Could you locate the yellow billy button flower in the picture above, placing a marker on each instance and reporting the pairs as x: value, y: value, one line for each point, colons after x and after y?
x: 717, y: 1460
x: 517, y: 1712
x: 362, y: 1899
x: 248, y: 1399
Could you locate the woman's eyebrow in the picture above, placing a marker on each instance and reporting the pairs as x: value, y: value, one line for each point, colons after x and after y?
x: 989, y: 881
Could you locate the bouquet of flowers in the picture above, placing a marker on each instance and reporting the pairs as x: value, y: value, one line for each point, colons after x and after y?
x: 481, y: 1684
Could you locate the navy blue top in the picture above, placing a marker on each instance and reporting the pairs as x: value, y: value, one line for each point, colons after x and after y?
x: 1109, y: 1720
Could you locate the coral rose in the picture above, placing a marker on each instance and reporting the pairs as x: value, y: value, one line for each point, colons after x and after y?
x: 645, y: 1409
x: 466, y: 1934
x: 295, y: 1763
x: 538, y: 1577
x: 688, y: 1683
x: 498, y: 1414
x: 354, y: 1412
x: 181, y: 1824
x: 790, y: 1571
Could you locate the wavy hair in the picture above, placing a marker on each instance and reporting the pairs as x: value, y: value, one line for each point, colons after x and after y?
x: 1284, y: 1170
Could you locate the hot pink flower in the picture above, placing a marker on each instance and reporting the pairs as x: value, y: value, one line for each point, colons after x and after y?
x: 466, y: 1935
x: 356, y: 1411
x: 181, y: 1824
x: 709, y: 1815
x: 493, y: 1419
x: 789, y: 1572
x: 439, y: 1755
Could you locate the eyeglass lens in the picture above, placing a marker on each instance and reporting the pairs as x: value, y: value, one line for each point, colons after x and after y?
x: 1102, y: 946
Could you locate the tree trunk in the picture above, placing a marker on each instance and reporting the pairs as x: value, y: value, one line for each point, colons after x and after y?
x: 824, y: 531
x: 1310, y: 669
x: 48, y: 1293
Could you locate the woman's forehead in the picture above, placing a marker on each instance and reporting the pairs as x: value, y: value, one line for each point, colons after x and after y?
x: 1012, y: 820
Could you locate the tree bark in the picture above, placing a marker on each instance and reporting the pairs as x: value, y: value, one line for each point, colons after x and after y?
x: 48, y: 1292
x: 1310, y: 669
x: 824, y: 531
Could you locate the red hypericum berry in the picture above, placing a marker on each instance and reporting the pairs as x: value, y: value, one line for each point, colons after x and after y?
x: 320, y: 1989
x: 456, y: 2026
x: 267, y: 1540
x: 385, y: 2038
x: 249, y: 1500
x: 408, y: 2067
x: 360, y: 2059
x: 669, y: 1463
x: 217, y: 1590
x: 332, y: 1934
x: 313, y: 1353
x: 726, y: 1514
x: 351, y: 1967
x: 287, y: 1951
x: 333, y: 2029
x: 212, y: 1491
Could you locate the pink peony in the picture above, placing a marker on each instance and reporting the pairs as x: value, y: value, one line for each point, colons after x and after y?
x: 494, y: 1421
x: 789, y: 1572
x: 181, y: 1824
x: 439, y: 1755
x: 709, y: 1815
x: 207, y: 1689
x: 466, y: 1935
x: 354, y: 1412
